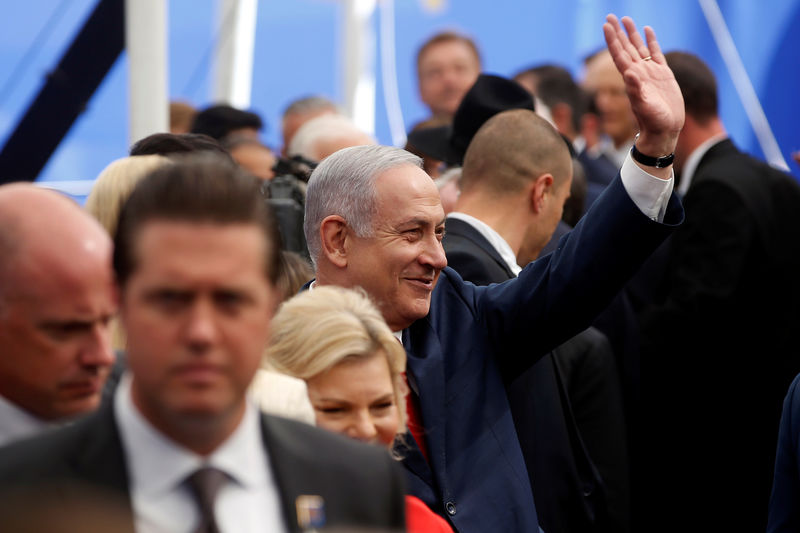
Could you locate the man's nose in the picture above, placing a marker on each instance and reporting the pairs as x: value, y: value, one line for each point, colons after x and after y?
x: 97, y: 351
x: 434, y: 254
x: 201, y: 329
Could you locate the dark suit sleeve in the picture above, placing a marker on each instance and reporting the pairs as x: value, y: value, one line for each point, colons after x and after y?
x: 784, y: 511
x: 560, y: 294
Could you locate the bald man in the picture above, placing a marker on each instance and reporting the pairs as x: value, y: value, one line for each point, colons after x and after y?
x: 56, y: 301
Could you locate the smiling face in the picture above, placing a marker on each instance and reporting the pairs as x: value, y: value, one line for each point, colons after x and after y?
x: 196, y: 310
x: 356, y: 398
x: 399, y: 264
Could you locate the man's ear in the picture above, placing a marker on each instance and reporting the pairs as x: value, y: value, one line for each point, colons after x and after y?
x: 333, y: 234
x: 540, y: 189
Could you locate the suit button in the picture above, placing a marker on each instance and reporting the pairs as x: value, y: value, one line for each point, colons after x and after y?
x: 451, y: 508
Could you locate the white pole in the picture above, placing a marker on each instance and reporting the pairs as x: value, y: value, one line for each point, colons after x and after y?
x: 391, y: 93
x: 359, y: 63
x: 236, y: 30
x: 727, y: 48
x: 146, y: 46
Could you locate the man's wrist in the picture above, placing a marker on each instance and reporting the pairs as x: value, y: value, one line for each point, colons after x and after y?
x: 655, y: 145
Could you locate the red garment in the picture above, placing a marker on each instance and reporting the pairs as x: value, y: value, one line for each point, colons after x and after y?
x: 414, y: 420
x: 420, y: 518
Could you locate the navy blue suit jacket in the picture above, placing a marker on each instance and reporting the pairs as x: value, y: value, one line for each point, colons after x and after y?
x: 472, y: 336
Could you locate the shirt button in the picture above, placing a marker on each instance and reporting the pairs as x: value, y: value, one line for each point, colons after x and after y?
x: 451, y: 508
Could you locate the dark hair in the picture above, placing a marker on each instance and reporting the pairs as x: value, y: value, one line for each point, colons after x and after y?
x: 447, y: 37
x: 219, y: 120
x: 697, y: 83
x: 197, y: 188
x: 555, y: 85
x: 177, y: 143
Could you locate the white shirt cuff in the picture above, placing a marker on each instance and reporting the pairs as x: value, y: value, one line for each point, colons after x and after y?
x: 649, y: 193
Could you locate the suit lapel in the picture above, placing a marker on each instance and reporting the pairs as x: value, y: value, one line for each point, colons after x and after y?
x: 100, y: 459
x: 425, y: 365
x: 463, y: 229
x: 287, y: 468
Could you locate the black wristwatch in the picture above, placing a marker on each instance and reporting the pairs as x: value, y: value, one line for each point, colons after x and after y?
x: 650, y: 161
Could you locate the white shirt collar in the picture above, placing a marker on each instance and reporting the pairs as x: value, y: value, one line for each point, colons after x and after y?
x: 687, y: 173
x: 158, y: 464
x: 498, y: 243
x: 16, y: 423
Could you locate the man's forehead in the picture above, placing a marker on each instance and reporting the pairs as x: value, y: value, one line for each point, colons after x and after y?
x: 447, y: 51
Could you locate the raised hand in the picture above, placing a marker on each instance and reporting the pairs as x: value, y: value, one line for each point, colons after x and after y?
x: 654, y: 94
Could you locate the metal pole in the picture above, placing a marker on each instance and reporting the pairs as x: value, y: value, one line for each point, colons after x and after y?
x: 146, y: 45
x: 234, y: 52
x: 358, y: 53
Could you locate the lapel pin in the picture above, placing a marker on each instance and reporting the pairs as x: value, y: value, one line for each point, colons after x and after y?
x: 310, y: 511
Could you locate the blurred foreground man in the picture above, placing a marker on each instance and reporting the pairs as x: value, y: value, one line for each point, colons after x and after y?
x: 179, y: 447
x: 374, y: 219
x: 56, y: 301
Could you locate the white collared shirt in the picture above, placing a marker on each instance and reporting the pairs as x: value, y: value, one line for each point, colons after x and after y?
x: 158, y: 468
x: 16, y: 423
x: 687, y: 173
x: 500, y: 245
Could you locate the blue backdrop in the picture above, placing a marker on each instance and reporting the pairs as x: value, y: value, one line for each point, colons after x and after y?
x: 297, y: 54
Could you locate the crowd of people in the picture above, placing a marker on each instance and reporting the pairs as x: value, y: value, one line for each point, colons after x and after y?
x: 565, y: 305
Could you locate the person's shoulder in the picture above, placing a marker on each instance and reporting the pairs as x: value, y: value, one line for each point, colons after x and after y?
x: 45, y: 454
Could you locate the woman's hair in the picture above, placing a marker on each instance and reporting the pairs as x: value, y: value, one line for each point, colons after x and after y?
x: 110, y: 190
x: 296, y: 272
x: 319, y: 328
x: 115, y: 183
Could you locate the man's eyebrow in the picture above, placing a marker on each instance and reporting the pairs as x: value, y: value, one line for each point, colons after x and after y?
x: 420, y: 222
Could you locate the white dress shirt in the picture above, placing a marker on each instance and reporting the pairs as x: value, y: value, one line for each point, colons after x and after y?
x: 16, y: 423
x: 687, y: 173
x: 158, y: 468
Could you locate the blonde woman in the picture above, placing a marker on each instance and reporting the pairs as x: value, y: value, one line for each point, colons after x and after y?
x: 337, y: 341
x: 110, y: 190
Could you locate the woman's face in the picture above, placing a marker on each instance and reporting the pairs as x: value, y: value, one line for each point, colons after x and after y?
x: 355, y: 398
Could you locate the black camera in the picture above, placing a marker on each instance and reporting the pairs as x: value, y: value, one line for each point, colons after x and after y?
x: 286, y: 194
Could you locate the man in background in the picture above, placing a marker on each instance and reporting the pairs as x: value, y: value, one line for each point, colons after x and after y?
x: 719, y: 340
x: 56, y: 303
x: 447, y: 65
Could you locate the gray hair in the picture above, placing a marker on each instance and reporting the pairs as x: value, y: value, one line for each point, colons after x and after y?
x: 343, y: 184
x: 325, y: 128
x: 308, y: 104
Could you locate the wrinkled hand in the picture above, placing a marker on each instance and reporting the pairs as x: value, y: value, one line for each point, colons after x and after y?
x: 653, y: 92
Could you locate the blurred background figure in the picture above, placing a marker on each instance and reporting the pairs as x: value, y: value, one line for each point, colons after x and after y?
x: 434, y: 167
x: 56, y: 302
x: 221, y: 120
x: 449, y: 188
x: 321, y: 136
x: 252, y: 155
x: 354, y: 368
x: 604, y: 84
x: 168, y: 144
x: 181, y: 116
x: 448, y: 64
x: 300, y: 111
